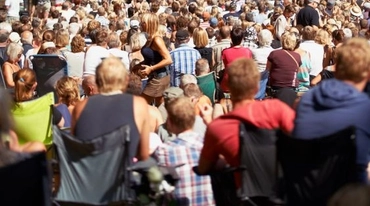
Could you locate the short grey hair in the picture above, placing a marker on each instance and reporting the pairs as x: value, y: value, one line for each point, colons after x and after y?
x: 187, y: 79
x: 137, y: 41
x: 265, y: 37
x: 13, y: 50
x: 113, y: 40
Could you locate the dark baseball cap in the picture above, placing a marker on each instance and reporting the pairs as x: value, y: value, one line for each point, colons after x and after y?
x: 182, y: 34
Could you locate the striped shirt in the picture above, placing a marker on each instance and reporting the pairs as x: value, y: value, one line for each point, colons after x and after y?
x: 191, y: 189
x: 184, y: 58
x: 217, y: 52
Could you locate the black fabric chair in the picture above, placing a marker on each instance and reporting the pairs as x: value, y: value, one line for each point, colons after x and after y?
x: 257, y: 167
x: 49, y: 69
x: 95, y: 172
x: 27, y: 182
x: 315, y: 169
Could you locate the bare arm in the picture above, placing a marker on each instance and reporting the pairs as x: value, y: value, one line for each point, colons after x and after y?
x: 8, y: 75
x: 159, y: 46
x: 140, y: 114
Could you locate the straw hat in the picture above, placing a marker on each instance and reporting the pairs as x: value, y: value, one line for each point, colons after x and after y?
x: 356, y: 11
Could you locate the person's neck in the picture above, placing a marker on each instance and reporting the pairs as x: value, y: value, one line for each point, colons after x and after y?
x: 241, y: 103
x: 359, y: 86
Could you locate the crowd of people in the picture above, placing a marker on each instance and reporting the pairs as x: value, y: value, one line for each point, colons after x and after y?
x: 298, y: 66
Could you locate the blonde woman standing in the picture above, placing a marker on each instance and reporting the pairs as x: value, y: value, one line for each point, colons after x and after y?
x: 156, y: 59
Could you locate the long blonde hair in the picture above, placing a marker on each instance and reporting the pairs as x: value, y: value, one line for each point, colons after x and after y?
x: 151, y: 21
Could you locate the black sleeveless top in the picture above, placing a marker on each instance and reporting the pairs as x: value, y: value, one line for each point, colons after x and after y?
x: 151, y: 57
x: 103, y: 114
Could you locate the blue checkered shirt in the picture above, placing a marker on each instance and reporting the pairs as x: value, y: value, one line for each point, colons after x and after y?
x: 184, y: 58
x: 191, y: 189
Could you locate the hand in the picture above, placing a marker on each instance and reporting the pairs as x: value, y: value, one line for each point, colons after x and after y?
x: 206, y: 112
x: 145, y: 71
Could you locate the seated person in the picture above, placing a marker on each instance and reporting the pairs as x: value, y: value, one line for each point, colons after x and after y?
x: 185, y: 149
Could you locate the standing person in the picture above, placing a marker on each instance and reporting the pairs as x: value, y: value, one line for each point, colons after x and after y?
x: 184, y: 58
x: 156, y: 59
x: 234, y: 52
x: 13, y: 8
x: 308, y: 15
x: 200, y: 38
x: 40, y: 7
x: 217, y: 49
x: 112, y: 108
x: 283, y: 22
x: 340, y: 102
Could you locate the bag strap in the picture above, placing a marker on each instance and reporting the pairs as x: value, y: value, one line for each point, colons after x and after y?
x: 291, y: 57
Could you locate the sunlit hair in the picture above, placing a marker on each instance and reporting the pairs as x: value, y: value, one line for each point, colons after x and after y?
x: 78, y: 44
x: 24, y: 82
x: 264, y: 37
x: 113, y: 40
x: 62, y: 38
x: 151, y: 22
x: 67, y: 90
x: 111, y: 75
x: 243, y: 79
x: 200, y: 37
x: 14, y: 50
x: 352, y: 67
x: 181, y: 113
x: 48, y: 35
x: 289, y: 40
x: 322, y: 37
x: 137, y: 41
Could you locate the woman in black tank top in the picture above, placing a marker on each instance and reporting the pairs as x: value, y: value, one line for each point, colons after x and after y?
x: 156, y: 59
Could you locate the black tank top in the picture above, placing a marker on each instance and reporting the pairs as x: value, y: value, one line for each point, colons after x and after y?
x: 103, y: 114
x: 151, y: 57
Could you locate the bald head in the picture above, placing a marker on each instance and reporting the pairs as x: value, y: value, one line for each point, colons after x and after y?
x: 89, y: 85
x: 27, y: 37
x: 225, y: 32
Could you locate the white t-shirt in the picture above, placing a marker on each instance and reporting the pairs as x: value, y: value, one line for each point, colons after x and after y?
x: 94, y: 56
x: 123, y: 55
x: 67, y: 14
x: 14, y: 7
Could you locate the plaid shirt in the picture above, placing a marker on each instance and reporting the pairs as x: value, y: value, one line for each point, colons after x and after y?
x: 184, y: 58
x: 191, y: 189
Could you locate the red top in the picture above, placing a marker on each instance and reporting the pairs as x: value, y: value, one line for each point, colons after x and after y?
x: 222, y: 135
x: 228, y: 56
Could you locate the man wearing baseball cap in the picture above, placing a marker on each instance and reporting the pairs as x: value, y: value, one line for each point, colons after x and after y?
x: 308, y: 16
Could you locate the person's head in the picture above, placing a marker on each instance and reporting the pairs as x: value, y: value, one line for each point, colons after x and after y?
x: 149, y: 24
x: 313, y: 3
x: 322, y: 37
x: 67, y: 90
x: 54, y: 14
x: 89, y: 85
x: 202, y: 67
x: 14, y: 52
x: 192, y: 91
x: 193, y: 24
x: 137, y: 41
x: 101, y: 11
x: 338, y: 36
x: 48, y: 35
x: 111, y: 75
x: 113, y: 40
x: 61, y: 38
x: 289, y: 11
x: 182, y: 23
x: 182, y: 36
x: 289, y: 41
x: 364, y: 24
x: 26, y: 37
x: 93, y: 25
x: 24, y: 85
x: 265, y: 38
x: 243, y: 79
x: 350, y: 67
x: 225, y: 32
x: 237, y: 36
x: 4, y: 36
x: 200, y: 37
x: 101, y: 37
x: 308, y: 33
x: 351, y: 193
x: 187, y: 79
x: 181, y: 115
x: 134, y: 84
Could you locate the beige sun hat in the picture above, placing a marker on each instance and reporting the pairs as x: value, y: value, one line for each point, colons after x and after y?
x: 356, y: 10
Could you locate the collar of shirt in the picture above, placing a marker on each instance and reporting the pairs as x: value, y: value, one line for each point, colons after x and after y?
x: 184, y: 45
x: 190, y: 137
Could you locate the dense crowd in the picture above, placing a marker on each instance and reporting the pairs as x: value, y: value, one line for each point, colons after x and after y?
x: 184, y: 74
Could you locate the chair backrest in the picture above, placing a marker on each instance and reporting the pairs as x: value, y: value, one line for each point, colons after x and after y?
x: 27, y: 182
x: 315, y: 169
x: 94, y: 172
x: 257, y: 161
x: 33, y: 119
x: 49, y: 69
x: 207, y: 84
